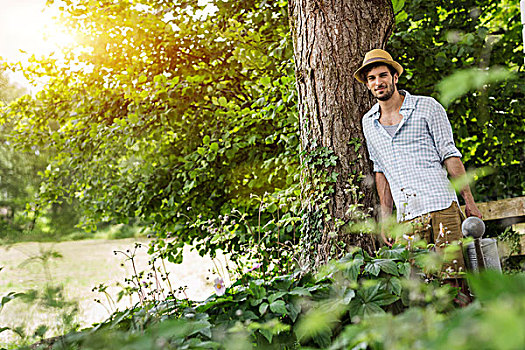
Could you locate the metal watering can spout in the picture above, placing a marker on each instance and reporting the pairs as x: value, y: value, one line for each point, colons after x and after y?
x: 483, y: 252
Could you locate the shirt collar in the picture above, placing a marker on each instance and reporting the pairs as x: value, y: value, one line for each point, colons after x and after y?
x: 408, y: 103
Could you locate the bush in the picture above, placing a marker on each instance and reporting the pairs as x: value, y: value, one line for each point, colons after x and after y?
x: 285, y: 312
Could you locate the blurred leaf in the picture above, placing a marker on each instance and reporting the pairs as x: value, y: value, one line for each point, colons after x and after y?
x: 318, y: 321
x: 463, y: 81
x: 492, y: 285
x: 10, y: 296
x: 469, y: 178
x: 398, y: 5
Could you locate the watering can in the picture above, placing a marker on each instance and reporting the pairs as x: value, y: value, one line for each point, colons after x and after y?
x: 483, y: 252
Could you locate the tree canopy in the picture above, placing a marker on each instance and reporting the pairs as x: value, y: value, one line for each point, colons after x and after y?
x: 169, y: 115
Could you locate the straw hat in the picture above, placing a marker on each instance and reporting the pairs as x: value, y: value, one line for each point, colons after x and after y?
x: 375, y: 56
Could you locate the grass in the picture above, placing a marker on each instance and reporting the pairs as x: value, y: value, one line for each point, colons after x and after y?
x: 119, y: 231
x: 83, y: 265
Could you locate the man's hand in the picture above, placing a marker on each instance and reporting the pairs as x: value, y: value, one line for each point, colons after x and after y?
x: 472, y: 210
x: 388, y: 241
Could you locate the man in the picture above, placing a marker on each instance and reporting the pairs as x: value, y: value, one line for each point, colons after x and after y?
x: 410, y: 142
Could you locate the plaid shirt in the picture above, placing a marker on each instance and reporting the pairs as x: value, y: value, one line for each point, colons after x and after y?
x: 412, y: 160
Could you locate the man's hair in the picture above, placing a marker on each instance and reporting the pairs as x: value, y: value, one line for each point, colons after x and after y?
x: 378, y: 64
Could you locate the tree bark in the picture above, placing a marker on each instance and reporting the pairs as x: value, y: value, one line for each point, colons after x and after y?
x: 330, y: 41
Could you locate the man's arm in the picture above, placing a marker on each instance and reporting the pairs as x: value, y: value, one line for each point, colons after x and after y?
x: 456, y: 169
x: 385, y: 200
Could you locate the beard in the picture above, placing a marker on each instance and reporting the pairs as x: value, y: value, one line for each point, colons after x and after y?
x: 387, y: 94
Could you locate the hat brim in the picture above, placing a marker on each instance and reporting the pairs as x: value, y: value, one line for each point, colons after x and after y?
x: 359, y: 73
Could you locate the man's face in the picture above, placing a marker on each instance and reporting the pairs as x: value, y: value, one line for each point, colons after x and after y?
x: 381, y: 83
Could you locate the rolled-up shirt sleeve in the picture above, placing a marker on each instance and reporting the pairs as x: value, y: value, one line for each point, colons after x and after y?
x: 441, y: 132
x: 370, y: 141
x: 377, y: 166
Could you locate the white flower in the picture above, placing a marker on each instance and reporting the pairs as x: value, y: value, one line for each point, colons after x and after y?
x: 409, y: 238
x: 219, y: 286
x: 441, y: 230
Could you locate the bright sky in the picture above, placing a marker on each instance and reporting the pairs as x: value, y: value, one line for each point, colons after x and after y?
x: 24, y: 25
x: 29, y: 25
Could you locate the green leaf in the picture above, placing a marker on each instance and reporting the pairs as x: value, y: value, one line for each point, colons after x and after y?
x: 266, y: 81
x: 359, y: 308
x: 348, y: 296
x: 323, y: 339
x: 274, y: 296
x: 300, y: 291
x: 294, y: 309
x: 201, y: 326
x: 248, y: 315
x: 262, y: 308
x: 278, y: 307
x: 404, y: 268
x: 370, y: 299
x: 386, y: 265
x: 258, y: 291
x: 393, y: 285
x: 398, y: 5
x: 268, y: 334
x: 401, y: 17
x: 398, y: 251
x: 214, y: 146
x: 463, y: 81
x: 352, y: 268
x: 255, y: 302
x: 41, y: 330
x: 282, y: 284
x: 373, y: 268
x: 10, y: 296
x: 272, y: 208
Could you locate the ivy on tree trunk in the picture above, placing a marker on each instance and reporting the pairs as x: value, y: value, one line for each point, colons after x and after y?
x: 330, y: 41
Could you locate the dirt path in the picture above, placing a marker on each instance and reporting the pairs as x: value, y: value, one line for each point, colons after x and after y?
x: 85, y: 264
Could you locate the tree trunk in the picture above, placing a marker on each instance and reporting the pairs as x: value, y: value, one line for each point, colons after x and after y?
x: 330, y: 41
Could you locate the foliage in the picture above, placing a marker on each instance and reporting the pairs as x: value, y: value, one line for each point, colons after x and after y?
x: 185, y: 110
x: 20, y: 183
x: 512, y: 239
x: 357, y: 302
x: 279, y: 312
x: 18, y: 179
x: 457, y: 40
x: 495, y: 322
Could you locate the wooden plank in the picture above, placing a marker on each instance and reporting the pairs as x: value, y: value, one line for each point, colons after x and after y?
x: 502, y: 209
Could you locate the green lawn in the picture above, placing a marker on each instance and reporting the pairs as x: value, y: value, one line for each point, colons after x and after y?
x: 83, y: 265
